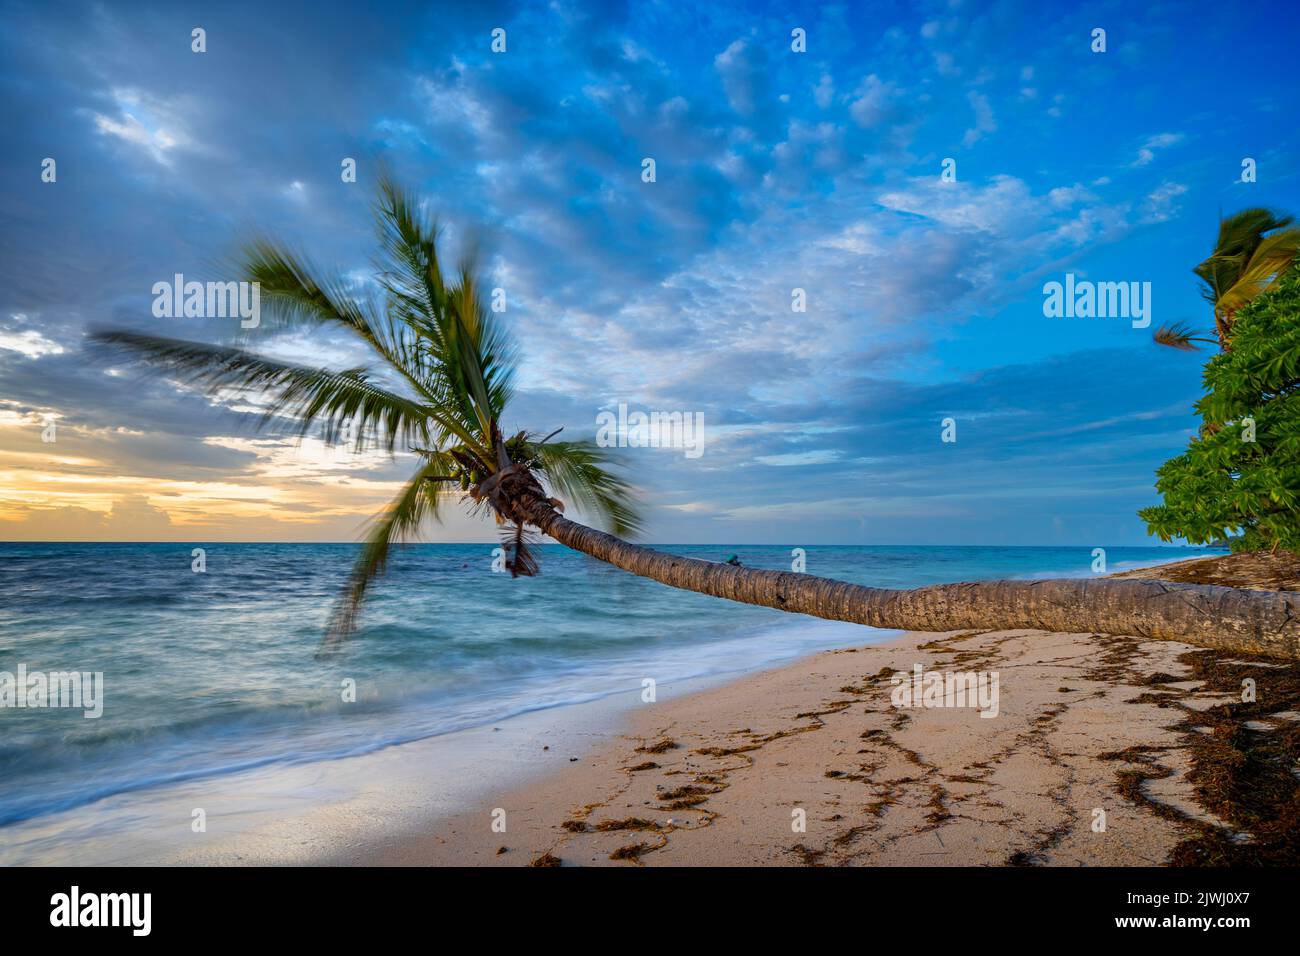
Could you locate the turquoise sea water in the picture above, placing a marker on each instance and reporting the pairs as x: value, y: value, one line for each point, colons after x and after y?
x: 207, y: 674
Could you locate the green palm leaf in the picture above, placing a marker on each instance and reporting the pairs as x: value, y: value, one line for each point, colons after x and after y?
x: 580, y: 471
x: 1268, y: 263
x: 292, y: 293
x: 1179, y: 336
x: 401, y: 520
x: 1255, y: 248
x: 313, y: 397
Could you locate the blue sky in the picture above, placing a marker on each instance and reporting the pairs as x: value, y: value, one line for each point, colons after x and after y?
x: 775, y: 170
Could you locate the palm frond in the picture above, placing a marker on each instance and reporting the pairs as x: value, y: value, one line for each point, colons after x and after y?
x: 580, y: 471
x: 1241, y: 232
x: 292, y: 291
x: 517, y: 543
x: 409, y: 268
x: 419, y: 501
x: 1179, y: 336
x: 466, y: 355
x: 1269, y: 262
x: 480, y: 353
x: 333, y: 401
x: 1240, y: 240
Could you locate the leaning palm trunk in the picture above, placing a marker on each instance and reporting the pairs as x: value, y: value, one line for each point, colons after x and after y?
x: 1233, y: 619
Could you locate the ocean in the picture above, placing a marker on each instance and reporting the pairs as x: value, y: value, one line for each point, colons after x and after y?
x: 208, y: 674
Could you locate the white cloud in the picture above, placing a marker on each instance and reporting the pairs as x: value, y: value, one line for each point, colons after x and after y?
x: 818, y: 457
x: 944, y: 63
x: 1161, y: 204
x: 1147, y: 151
x: 677, y: 106
x: 984, y: 122
x: 151, y: 123
x: 875, y: 101
x: 998, y: 207
x: 29, y: 343
x: 1063, y: 197
x: 733, y: 65
x: 824, y: 91
x: 451, y: 102
x: 859, y: 238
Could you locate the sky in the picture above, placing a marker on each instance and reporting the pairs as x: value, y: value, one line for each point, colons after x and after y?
x: 774, y: 170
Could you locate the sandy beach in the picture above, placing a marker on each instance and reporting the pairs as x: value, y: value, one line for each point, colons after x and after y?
x: 1091, y: 759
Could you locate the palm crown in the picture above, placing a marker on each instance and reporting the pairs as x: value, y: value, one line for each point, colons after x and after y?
x: 453, y: 366
x: 1255, y: 248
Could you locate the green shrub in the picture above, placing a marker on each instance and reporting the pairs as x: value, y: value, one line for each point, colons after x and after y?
x: 1224, y: 483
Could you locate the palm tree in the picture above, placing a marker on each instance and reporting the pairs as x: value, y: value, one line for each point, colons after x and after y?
x: 1255, y: 248
x: 451, y: 367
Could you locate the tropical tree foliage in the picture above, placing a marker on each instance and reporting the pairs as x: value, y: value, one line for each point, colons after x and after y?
x: 1254, y: 250
x: 441, y: 388
x: 1242, y: 472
